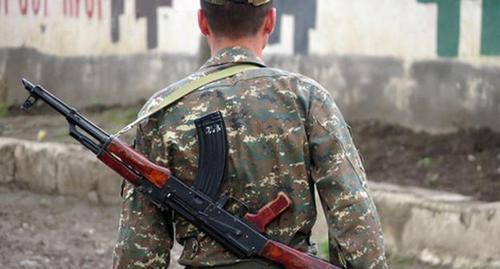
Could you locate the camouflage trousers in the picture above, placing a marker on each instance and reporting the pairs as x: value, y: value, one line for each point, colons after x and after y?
x: 255, y: 264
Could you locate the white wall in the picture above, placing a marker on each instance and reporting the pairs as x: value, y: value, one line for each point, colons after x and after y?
x: 380, y: 59
x: 404, y: 29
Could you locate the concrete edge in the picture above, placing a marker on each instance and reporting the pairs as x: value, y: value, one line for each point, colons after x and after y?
x: 438, y: 227
x: 56, y: 168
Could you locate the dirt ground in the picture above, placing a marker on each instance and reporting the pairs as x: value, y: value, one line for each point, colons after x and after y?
x: 466, y: 161
x: 54, y: 232
x: 42, y: 231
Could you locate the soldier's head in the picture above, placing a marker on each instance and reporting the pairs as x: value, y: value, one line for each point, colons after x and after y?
x: 237, y: 19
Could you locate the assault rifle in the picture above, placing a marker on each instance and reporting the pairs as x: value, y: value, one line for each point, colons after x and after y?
x: 197, y: 204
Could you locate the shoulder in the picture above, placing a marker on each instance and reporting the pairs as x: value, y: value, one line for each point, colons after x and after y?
x: 307, y: 90
x: 160, y: 95
x: 280, y: 74
x: 291, y: 79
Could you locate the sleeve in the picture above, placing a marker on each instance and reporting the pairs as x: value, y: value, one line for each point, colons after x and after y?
x: 145, y: 234
x: 355, y: 235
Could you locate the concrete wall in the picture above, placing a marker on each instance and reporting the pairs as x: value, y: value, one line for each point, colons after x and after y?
x: 439, y: 228
x: 98, y: 80
x: 57, y: 169
x: 428, y: 64
x: 432, y: 95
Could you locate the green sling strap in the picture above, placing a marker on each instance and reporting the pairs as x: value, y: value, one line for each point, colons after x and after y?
x: 189, y: 88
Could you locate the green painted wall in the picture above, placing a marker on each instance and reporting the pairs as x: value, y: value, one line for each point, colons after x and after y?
x: 490, y: 35
x: 448, y: 26
x: 448, y: 39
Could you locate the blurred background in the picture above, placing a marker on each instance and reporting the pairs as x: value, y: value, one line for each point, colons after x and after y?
x: 417, y: 80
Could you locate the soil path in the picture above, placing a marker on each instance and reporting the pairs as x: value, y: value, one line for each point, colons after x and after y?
x: 42, y: 232
x: 466, y: 161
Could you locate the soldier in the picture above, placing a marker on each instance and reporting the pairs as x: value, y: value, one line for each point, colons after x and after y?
x: 285, y: 133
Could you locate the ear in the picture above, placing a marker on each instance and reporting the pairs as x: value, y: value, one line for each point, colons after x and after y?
x: 203, y: 23
x: 270, y: 21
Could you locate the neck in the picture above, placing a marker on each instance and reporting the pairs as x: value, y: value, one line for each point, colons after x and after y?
x: 251, y: 43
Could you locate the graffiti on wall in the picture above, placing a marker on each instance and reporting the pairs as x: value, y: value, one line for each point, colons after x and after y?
x: 448, y: 27
x: 89, y: 8
x: 304, y: 13
x: 108, y: 13
x: 70, y: 8
x: 143, y: 9
x: 25, y: 7
x: 4, y: 6
x: 92, y: 9
x: 295, y: 8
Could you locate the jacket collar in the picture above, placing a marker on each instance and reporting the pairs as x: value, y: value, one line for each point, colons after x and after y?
x: 233, y: 55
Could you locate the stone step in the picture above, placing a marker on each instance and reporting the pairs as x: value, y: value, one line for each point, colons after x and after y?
x: 57, y: 169
x: 438, y: 227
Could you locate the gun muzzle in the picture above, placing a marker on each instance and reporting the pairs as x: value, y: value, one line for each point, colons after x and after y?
x: 28, y: 85
x: 32, y: 98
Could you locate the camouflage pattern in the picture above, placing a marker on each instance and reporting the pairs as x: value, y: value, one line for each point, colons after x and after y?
x: 285, y: 134
x: 252, y: 264
x: 252, y: 2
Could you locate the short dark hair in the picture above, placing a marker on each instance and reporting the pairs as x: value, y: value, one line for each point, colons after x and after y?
x: 235, y: 20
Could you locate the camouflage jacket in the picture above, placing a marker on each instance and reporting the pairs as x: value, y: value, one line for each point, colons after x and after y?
x: 285, y: 133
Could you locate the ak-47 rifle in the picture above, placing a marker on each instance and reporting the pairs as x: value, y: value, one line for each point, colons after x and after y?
x: 196, y: 204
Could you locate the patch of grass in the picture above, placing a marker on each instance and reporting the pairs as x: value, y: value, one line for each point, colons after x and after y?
x: 4, y: 110
x: 432, y: 179
x: 120, y: 116
x: 114, y: 119
x: 425, y: 162
x: 324, y: 250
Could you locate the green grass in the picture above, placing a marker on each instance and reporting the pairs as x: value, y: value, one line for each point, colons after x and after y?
x: 120, y: 116
x: 425, y: 162
x: 113, y: 119
x: 324, y: 250
x: 4, y: 110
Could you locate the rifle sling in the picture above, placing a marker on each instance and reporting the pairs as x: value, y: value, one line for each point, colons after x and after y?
x: 189, y: 88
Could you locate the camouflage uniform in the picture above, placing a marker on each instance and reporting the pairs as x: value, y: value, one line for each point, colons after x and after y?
x: 285, y: 134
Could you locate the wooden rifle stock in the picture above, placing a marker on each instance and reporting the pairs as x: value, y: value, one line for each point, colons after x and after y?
x: 292, y: 258
x: 269, y: 212
x: 153, y: 173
